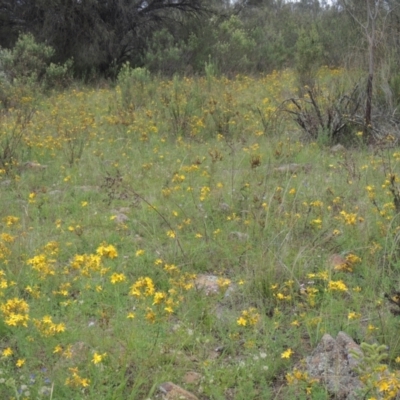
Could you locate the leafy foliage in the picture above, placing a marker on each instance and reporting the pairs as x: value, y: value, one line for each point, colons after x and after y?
x: 97, y: 34
x: 29, y: 63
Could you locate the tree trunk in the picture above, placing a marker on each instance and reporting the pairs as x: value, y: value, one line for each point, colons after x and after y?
x: 368, y: 106
x: 372, y: 16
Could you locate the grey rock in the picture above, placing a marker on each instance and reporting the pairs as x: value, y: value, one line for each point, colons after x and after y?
x: 170, y: 391
x: 333, y: 365
x: 293, y: 168
x: 86, y: 188
x: 338, y: 148
x: 224, y: 207
x: 121, y: 218
x: 212, y: 284
x: 242, y: 237
x: 32, y: 166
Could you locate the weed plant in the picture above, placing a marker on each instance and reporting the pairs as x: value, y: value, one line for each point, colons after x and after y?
x: 112, y: 208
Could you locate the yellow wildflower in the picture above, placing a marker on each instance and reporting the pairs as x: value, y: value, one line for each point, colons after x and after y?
x: 108, y: 251
x: 353, y: 315
x: 98, y: 358
x: 7, y: 352
x: 337, y: 285
x: 57, y: 349
x: 287, y: 353
x: 115, y: 278
x: 171, y: 234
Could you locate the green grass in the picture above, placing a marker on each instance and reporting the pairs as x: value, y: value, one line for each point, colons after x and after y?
x: 191, y: 171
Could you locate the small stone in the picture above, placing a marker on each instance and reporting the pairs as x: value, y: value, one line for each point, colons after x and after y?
x: 170, y: 391
x: 212, y: 284
x: 207, y: 283
x: 293, y: 168
x: 138, y: 239
x: 224, y: 207
x: 336, y: 260
x: 192, y: 377
x: 214, y: 354
x: 242, y: 237
x: 338, y: 148
x: 121, y: 218
x: 33, y: 166
x: 86, y: 188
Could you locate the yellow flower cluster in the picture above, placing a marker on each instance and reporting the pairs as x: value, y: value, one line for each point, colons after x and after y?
x: 42, y: 264
x: 107, y: 251
x: 15, y: 312
x: 143, y: 286
x: 350, y: 218
x: 282, y: 292
x: 75, y: 380
x: 248, y: 317
x: 47, y: 327
x: 86, y: 263
x: 116, y: 278
x: 337, y: 286
x: 348, y: 264
x: 301, y: 380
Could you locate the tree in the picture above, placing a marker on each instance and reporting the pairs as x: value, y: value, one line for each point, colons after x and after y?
x: 9, y: 23
x: 370, y: 16
x: 96, y: 33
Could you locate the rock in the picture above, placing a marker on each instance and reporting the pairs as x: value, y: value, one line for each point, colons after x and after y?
x: 33, y: 166
x: 215, y: 353
x: 119, y: 215
x: 192, y: 377
x: 338, y: 148
x: 242, y: 237
x: 123, y: 210
x: 86, y: 188
x: 54, y: 192
x: 121, y: 218
x: 207, y: 283
x: 170, y: 391
x: 336, y: 261
x: 212, y: 284
x: 224, y: 207
x: 293, y: 168
x: 333, y: 364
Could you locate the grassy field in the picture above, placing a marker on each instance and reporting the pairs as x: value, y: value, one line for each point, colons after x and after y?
x: 117, y: 199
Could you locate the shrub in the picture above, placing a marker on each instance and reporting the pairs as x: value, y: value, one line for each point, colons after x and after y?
x: 133, y: 84
x: 308, y: 57
x: 165, y: 54
x: 28, y: 65
x: 327, y: 119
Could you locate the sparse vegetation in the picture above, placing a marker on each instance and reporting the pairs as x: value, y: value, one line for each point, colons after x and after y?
x: 119, y: 199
